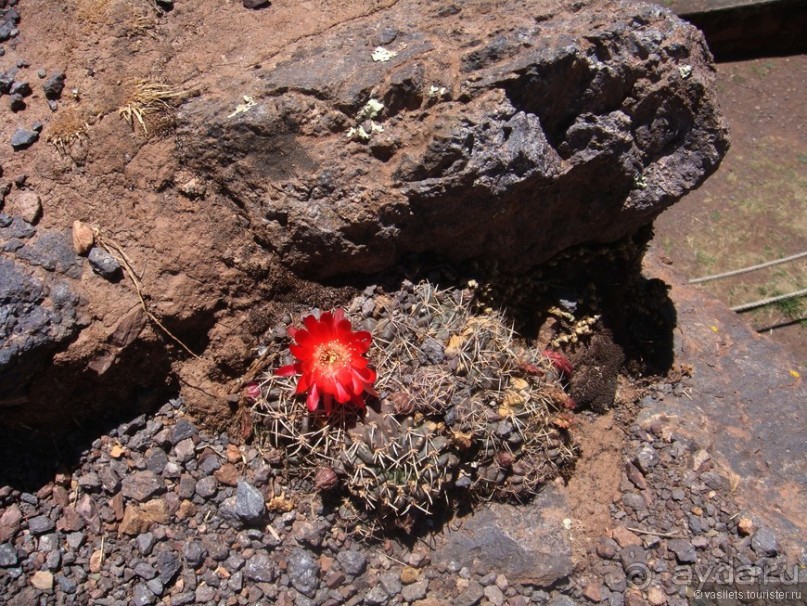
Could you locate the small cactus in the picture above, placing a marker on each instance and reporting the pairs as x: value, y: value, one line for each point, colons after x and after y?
x: 464, y: 406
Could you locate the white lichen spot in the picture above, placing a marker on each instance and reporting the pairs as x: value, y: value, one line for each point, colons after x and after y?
x: 370, y: 110
x: 639, y: 181
x: 685, y: 71
x: 382, y: 54
x: 248, y: 104
x: 437, y: 91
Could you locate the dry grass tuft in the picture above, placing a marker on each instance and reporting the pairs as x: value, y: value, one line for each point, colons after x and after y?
x: 130, y: 18
x: 67, y: 129
x: 150, y: 98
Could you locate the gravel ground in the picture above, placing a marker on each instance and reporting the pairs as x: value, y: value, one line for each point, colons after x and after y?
x: 160, y: 511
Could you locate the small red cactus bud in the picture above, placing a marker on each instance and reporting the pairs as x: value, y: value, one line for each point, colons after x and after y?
x: 504, y: 459
x: 326, y: 479
x: 560, y: 362
x: 253, y: 391
x: 402, y: 402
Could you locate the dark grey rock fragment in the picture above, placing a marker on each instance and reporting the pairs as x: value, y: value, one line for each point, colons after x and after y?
x: 8, y: 555
x: 23, y: 138
x: 353, y: 562
x: 684, y: 551
x: 168, y: 566
x: 104, y: 264
x: 40, y: 524
x: 250, y: 506
x: 260, y: 568
x: 764, y: 543
x: 303, y: 572
x: 54, y: 86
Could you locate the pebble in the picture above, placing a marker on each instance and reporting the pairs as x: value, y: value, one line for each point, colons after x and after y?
x: 303, y: 572
x: 261, y: 568
x: 764, y: 543
x: 250, y: 505
x: 142, y: 485
x: 353, y: 562
x: 104, y: 264
x: 40, y: 525
x: 23, y: 139
x: 8, y: 556
x: 42, y: 580
x: 416, y: 591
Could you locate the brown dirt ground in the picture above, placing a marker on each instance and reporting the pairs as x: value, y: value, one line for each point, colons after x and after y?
x: 754, y: 209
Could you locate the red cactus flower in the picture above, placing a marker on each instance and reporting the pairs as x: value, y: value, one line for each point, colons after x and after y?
x: 331, y: 361
x: 560, y: 362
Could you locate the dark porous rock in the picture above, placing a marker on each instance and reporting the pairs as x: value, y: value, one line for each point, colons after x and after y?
x: 54, y: 86
x: 8, y: 555
x: 53, y: 251
x: 207, y: 487
x: 36, y: 317
x: 40, y: 525
x: 255, y: 3
x: 104, y: 264
x: 528, y: 544
x: 23, y: 138
x: 574, y: 117
x: 260, y: 568
x: 353, y: 562
x: 250, y: 506
x: 304, y: 572
x: 684, y: 551
x: 764, y: 543
x: 194, y: 553
x: 143, y: 596
x: 183, y: 430
x: 168, y: 566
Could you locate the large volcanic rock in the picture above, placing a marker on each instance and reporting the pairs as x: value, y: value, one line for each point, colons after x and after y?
x: 455, y: 129
x: 362, y: 135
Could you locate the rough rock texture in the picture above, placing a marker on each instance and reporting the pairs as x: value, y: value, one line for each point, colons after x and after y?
x: 511, y: 135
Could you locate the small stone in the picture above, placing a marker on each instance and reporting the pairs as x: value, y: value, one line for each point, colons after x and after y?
x: 142, y: 595
x: 647, y: 458
x: 139, y: 518
x: 28, y: 206
x: 23, y: 139
x: 142, y: 485
x: 145, y: 571
x: 625, y: 537
x: 418, y: 589
x: 260, y: 568
x: 168, y: 566
x: 253, y: 4
x: 83, y: 241
x: 117, y: 451
x: 745, y: 527
x: 40, y: 525
x: 227, y: 474
x: 194, y: 553
x: 104, y: 264
x: 764, y: 543
x: 89, y: 481
x: 183, y: 430
x: 145, y: 543
x: 377, y: 596
x: 684, y: 551
x: 353, y: 562
x: 656, y: 596
x: 207, y: 487
x: 8, y: 555
x: 250, y: 505
x: 10, y: 523
x: 593, y: 591
x: 494, y: 594
x: 607, y: 548
x: 409, y: 575
x: 75, y: 540
x: 42, y: 580
x: 303, y: 572
x: 155, y: 586
x: 54, y: 86
x: 68, y: 585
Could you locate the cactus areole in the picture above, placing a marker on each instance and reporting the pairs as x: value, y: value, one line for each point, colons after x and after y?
x: 331, y: 361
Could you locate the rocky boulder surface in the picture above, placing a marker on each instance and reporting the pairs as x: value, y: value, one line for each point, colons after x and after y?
x: 508, y: 135
x: 345, y: 141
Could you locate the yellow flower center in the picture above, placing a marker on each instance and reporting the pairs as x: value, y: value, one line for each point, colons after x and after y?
x: 332, y: 354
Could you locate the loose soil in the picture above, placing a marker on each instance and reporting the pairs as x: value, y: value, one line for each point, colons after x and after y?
x: 753, y: 209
